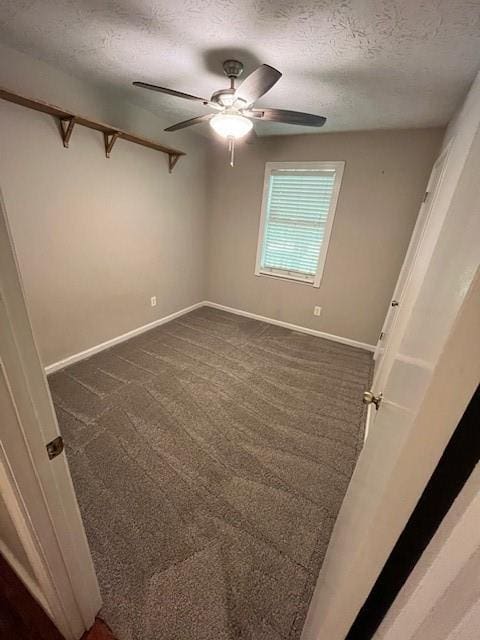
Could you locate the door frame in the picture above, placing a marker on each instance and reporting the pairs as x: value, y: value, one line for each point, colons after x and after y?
x: 38, y: 492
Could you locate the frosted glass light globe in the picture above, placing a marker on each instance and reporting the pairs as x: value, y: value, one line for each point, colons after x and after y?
x: 231, y: 125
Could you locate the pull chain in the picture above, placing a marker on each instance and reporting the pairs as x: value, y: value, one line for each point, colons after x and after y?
x: 231, y: 149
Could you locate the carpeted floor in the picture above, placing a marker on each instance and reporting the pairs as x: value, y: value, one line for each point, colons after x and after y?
x: 210, y: 457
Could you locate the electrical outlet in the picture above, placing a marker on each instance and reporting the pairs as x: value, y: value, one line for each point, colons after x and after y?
x: 317, y: 310
x: 153, y: 301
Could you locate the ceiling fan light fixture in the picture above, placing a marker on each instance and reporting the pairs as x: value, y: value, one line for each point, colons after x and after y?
x: 231, y: 125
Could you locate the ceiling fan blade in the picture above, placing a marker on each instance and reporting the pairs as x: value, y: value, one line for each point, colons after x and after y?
x: 257, y: 84
x: 170, y: 92
x: 189, y: 123
x: 287, y: 117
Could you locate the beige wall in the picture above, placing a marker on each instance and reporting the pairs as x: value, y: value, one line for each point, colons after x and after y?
x: 383, y: 184
x: 96, y: 238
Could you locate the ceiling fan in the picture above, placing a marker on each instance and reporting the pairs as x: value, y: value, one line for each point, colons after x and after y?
x: 235, y: 106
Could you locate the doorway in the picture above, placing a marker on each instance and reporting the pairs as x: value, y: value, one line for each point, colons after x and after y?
x: 45, y: 542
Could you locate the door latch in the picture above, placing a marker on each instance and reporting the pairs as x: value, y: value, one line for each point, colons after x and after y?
x: 55, y: 447
x: 370, y: 398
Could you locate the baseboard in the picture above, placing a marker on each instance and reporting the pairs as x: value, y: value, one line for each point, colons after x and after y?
x: 293, y: 327
x: 61, y: 364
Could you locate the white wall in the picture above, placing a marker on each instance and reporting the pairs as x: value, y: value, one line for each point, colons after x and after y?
x: 97, y: 237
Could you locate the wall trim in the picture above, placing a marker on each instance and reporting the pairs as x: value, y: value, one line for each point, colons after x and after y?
x: 293, y: 327
x: 76, y: 357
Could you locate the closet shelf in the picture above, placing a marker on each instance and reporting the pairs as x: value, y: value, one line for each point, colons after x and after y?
x: 68, y: 120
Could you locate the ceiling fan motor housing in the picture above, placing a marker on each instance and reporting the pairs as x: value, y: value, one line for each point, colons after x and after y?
x: 232, y: 68
x: 224, y: 97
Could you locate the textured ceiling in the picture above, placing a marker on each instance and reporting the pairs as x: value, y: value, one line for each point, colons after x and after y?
x: 362, y: 63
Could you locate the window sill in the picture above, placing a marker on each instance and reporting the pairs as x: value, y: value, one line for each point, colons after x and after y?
x: 292, y: 280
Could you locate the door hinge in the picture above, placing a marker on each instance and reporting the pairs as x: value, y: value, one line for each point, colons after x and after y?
x: 380, y: 337
x: 55, y: 447
x: 427, y: 193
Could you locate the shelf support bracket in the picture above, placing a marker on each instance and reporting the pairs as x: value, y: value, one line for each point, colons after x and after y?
x: 66, y: 128
x: 65, y: 120
x: 110, y: 139
x: 172, y: 161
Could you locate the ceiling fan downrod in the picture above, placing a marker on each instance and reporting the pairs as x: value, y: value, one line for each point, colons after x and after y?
x: 233, y: 69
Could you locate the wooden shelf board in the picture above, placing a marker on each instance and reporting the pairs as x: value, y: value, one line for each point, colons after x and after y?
x: 107, y: 129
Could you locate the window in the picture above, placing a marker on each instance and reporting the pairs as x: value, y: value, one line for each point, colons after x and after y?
x: 299, y: 200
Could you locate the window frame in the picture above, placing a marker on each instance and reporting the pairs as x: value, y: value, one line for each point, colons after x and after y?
x: 338, y: 167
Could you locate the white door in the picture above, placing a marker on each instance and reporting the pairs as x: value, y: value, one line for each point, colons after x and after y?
x: 41, y: 531
x: 418, y: 233
x: 424, y: 236
x: 403, y: 446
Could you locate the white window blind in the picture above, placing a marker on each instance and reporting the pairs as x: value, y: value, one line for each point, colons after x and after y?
x: 297, y: 216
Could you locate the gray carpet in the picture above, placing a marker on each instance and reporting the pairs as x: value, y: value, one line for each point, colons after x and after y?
x: 210, y: 457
